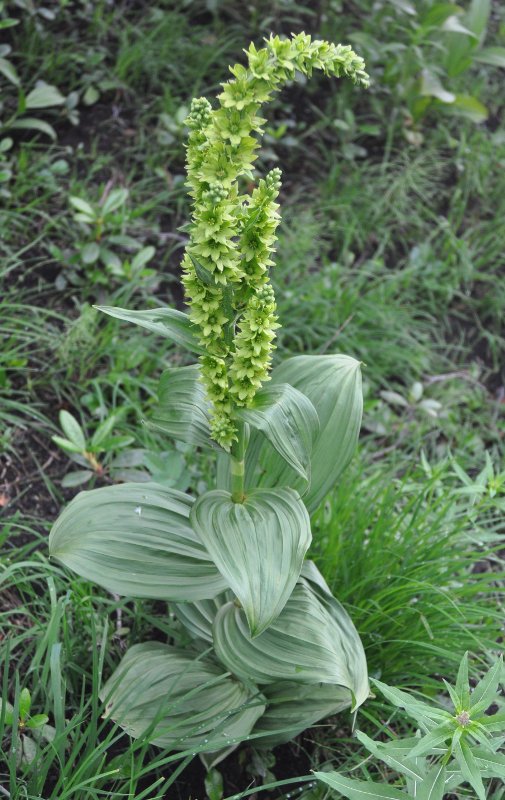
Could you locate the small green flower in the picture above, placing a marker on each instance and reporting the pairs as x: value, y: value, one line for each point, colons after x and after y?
x: 258, y: 61
x: 235, y: 94
x: 222, y: 427
x: 283, y: 52
x: 217, y: 167
x: 216, y: 222
x: 233, y: 126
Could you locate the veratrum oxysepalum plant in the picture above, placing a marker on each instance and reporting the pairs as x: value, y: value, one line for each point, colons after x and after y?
x: 272, y: 651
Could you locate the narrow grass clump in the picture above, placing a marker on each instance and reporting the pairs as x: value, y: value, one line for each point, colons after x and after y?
x: 419, y: 565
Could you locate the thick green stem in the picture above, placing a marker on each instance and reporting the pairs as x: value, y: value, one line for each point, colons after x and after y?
x: 237, y: 465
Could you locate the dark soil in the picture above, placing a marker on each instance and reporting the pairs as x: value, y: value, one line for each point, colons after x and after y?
x: 22, y: 485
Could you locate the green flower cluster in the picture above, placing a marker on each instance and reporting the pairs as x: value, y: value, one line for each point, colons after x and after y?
x: 253, y: 343
x: 232, y: 235
x: 215, y: 377
x: 257, y: 235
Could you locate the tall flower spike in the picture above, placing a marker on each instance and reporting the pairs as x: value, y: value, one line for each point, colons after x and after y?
x: 232, y: 235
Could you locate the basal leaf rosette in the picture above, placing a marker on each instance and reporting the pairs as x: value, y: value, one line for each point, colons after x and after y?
x: 198, y: 617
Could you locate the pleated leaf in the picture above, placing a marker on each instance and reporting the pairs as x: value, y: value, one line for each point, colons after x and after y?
x: 292, y: 707
x: 289, y: 421
x: 168, y: 322
x: 355, y: 655
x: 311, y: 573
x: 198, y: 618
x: 332, y: 383
x: 310, y: 642
x: 181, y: 701
x: 359, y: 790
x: 136, y: 540
x: 258, y: 546
x: 182, y: 411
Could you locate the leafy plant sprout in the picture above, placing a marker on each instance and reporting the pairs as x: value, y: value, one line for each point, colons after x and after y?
x: 451, y: 748
x: 272, y: 651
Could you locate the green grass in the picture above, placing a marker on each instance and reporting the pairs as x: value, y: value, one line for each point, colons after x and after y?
x: 389, y: 252
x: 419, y: 566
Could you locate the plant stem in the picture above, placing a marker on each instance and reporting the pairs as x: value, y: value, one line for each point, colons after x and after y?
x: 237, y: 465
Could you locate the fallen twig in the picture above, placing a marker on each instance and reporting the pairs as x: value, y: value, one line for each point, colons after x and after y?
x: 336, y: 334
x: 449, y: 375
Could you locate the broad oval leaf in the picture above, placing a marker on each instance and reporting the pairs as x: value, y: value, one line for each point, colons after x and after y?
x: 430, y: 86
x: 72, y: 429
x: 77, y: 478
x: 288, y: 420
x: 168, y: 322
x: 453, y: 25
x: 83, y: 206
x: 44, y: 96
x: 258, y: 546
x: 90, y: 252
x: 341, y: 621
x: 33, y: 124
x: 25, y: 702
x: 293, y: 707
x: 465, y: 105
x: 333, y: 385
x: 115, y: 199
x: 182, y: 411
x: 7, y: 69
x: 436, y: 15
x: 136, y: 540
x: 180, y: 701
x: 142, y: 258
x: 310, y: 642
